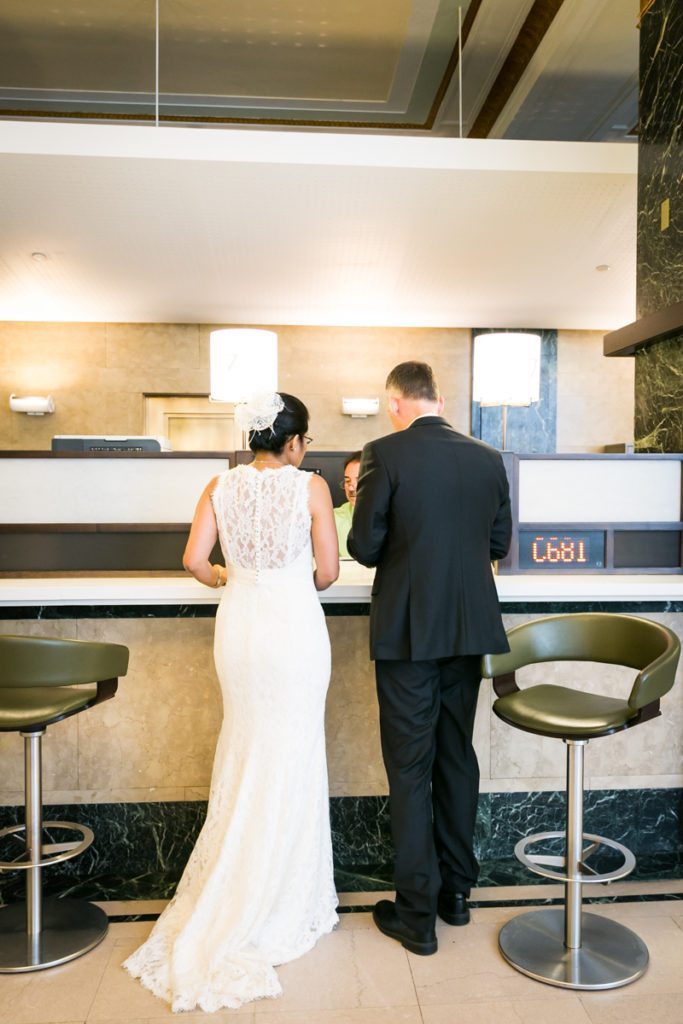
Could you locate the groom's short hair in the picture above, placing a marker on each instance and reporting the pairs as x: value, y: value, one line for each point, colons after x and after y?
x: 414, y: 380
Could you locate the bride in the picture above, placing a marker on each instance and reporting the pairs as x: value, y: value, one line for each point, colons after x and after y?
x: 258, y: 889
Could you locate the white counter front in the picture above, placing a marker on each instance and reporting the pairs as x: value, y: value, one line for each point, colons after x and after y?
x: 352, y: 587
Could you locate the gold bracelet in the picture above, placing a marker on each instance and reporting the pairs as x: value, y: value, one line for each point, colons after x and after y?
x: 218, y: 576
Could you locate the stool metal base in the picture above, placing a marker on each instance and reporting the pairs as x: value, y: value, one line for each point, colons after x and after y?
x: 610, y: 955
x: 70, y: 928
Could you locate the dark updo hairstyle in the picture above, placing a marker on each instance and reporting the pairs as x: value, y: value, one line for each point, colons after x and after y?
x: 292, y: 421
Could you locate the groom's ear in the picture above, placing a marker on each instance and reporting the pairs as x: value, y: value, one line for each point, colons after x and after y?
x: 440, y: 406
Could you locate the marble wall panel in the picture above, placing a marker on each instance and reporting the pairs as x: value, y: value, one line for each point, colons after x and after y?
x: 351, y: 721
x: 595, y: 395
x: 659, y: 367
x: 140, y: 849
x: 152, y: 346
x: 655, y: 747
x: 659, y: 396
x: 64, y: 349
x: 90, y: 410
x: 9, y: 421
x: 155, y: 740
x: 482, y: 732
x: 161, y: 728
x: 60, y: 761
x: 44, y: 359
x: 60, y: 742
x: 660, y: 157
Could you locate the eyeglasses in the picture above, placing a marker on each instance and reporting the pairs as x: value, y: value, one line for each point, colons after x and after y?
x: 348, y: 484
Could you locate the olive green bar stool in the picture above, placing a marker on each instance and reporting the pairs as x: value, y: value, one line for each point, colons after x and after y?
x: 564, y: 946
x: 41, y: 683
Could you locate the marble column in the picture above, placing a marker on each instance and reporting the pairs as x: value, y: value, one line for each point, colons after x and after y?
x: 659, y: 367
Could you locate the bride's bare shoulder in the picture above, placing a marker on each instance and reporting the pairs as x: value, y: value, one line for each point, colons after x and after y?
x: 319, y: 492
x: 215, y: 482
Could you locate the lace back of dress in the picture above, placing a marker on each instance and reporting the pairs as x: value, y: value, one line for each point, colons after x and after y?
x: 263, y: 517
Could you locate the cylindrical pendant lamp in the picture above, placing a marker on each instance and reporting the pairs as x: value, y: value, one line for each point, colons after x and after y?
x: 507, y: 368
x: 243, y: 363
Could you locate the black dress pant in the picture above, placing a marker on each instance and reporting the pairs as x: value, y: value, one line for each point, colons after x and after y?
x: 427, y: 711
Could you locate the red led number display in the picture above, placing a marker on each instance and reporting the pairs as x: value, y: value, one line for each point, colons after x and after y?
x: 555, y: 552
x: 558, y: 549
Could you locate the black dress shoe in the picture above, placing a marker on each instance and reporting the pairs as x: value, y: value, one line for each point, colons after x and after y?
x: 453, y: 908
x: 389, y: 923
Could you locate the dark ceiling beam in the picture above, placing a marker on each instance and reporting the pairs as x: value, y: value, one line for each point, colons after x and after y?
x: 452, y: 65
x: 538, y: 21
x: 627, y: 340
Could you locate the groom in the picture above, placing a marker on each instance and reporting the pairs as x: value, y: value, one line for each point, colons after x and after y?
x: 432, y: 511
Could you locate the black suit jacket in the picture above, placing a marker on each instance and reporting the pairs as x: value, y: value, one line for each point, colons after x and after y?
x: 432, y: 511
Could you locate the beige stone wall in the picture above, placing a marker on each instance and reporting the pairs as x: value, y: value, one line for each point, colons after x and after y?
x: 155, y: 739
x: 595, y: 395
x: 98, y: 374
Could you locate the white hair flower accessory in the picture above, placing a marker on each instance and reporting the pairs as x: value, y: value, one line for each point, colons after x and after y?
x: 259, y: 412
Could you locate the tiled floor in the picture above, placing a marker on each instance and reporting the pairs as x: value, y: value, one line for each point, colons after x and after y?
x: 356, y: 976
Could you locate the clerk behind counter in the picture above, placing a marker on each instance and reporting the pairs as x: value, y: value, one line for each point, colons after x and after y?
x: 344, y: 513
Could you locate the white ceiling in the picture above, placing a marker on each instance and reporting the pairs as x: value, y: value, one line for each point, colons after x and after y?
x: 243, y: 226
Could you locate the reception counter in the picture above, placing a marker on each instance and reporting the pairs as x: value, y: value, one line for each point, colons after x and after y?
x: 137, y: 768
x: 352, y: 587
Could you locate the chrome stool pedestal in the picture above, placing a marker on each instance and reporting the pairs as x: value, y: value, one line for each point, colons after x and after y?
x: 68, y: 929
x: 44, y: 932
x: 565, y: 946
x: 609, y: 955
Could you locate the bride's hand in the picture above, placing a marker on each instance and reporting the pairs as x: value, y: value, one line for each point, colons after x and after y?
x: 221, y: 575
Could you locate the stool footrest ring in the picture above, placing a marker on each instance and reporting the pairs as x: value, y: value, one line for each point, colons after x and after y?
x: 62, y: 851
x: 542, y: 864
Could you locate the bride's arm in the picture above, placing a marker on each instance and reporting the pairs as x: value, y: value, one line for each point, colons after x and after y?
x: 323, y: 534
x: 203, y: 536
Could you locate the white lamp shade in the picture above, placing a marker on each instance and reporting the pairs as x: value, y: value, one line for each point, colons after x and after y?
x: 243, y: 363
x: 507, y: 368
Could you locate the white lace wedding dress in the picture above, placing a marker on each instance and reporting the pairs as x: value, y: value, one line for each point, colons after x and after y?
x: 258, y: 889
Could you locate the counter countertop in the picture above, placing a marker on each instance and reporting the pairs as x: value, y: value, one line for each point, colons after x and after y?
x: 352, y: 587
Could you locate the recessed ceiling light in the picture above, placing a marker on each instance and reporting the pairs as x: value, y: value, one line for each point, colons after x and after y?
x: 602, y: 267
x: 39, y: 257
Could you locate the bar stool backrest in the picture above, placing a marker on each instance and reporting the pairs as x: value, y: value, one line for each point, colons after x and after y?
x: 600, y: 637
x: 28, y: 661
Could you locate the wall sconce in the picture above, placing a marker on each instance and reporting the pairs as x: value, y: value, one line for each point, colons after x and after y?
x: 243, y: 363
x: 32, y: 405
x: 506, y: 370
x: 359, y: 408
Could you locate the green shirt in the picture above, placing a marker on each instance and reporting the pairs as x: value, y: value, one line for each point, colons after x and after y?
x: 342, y: 518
